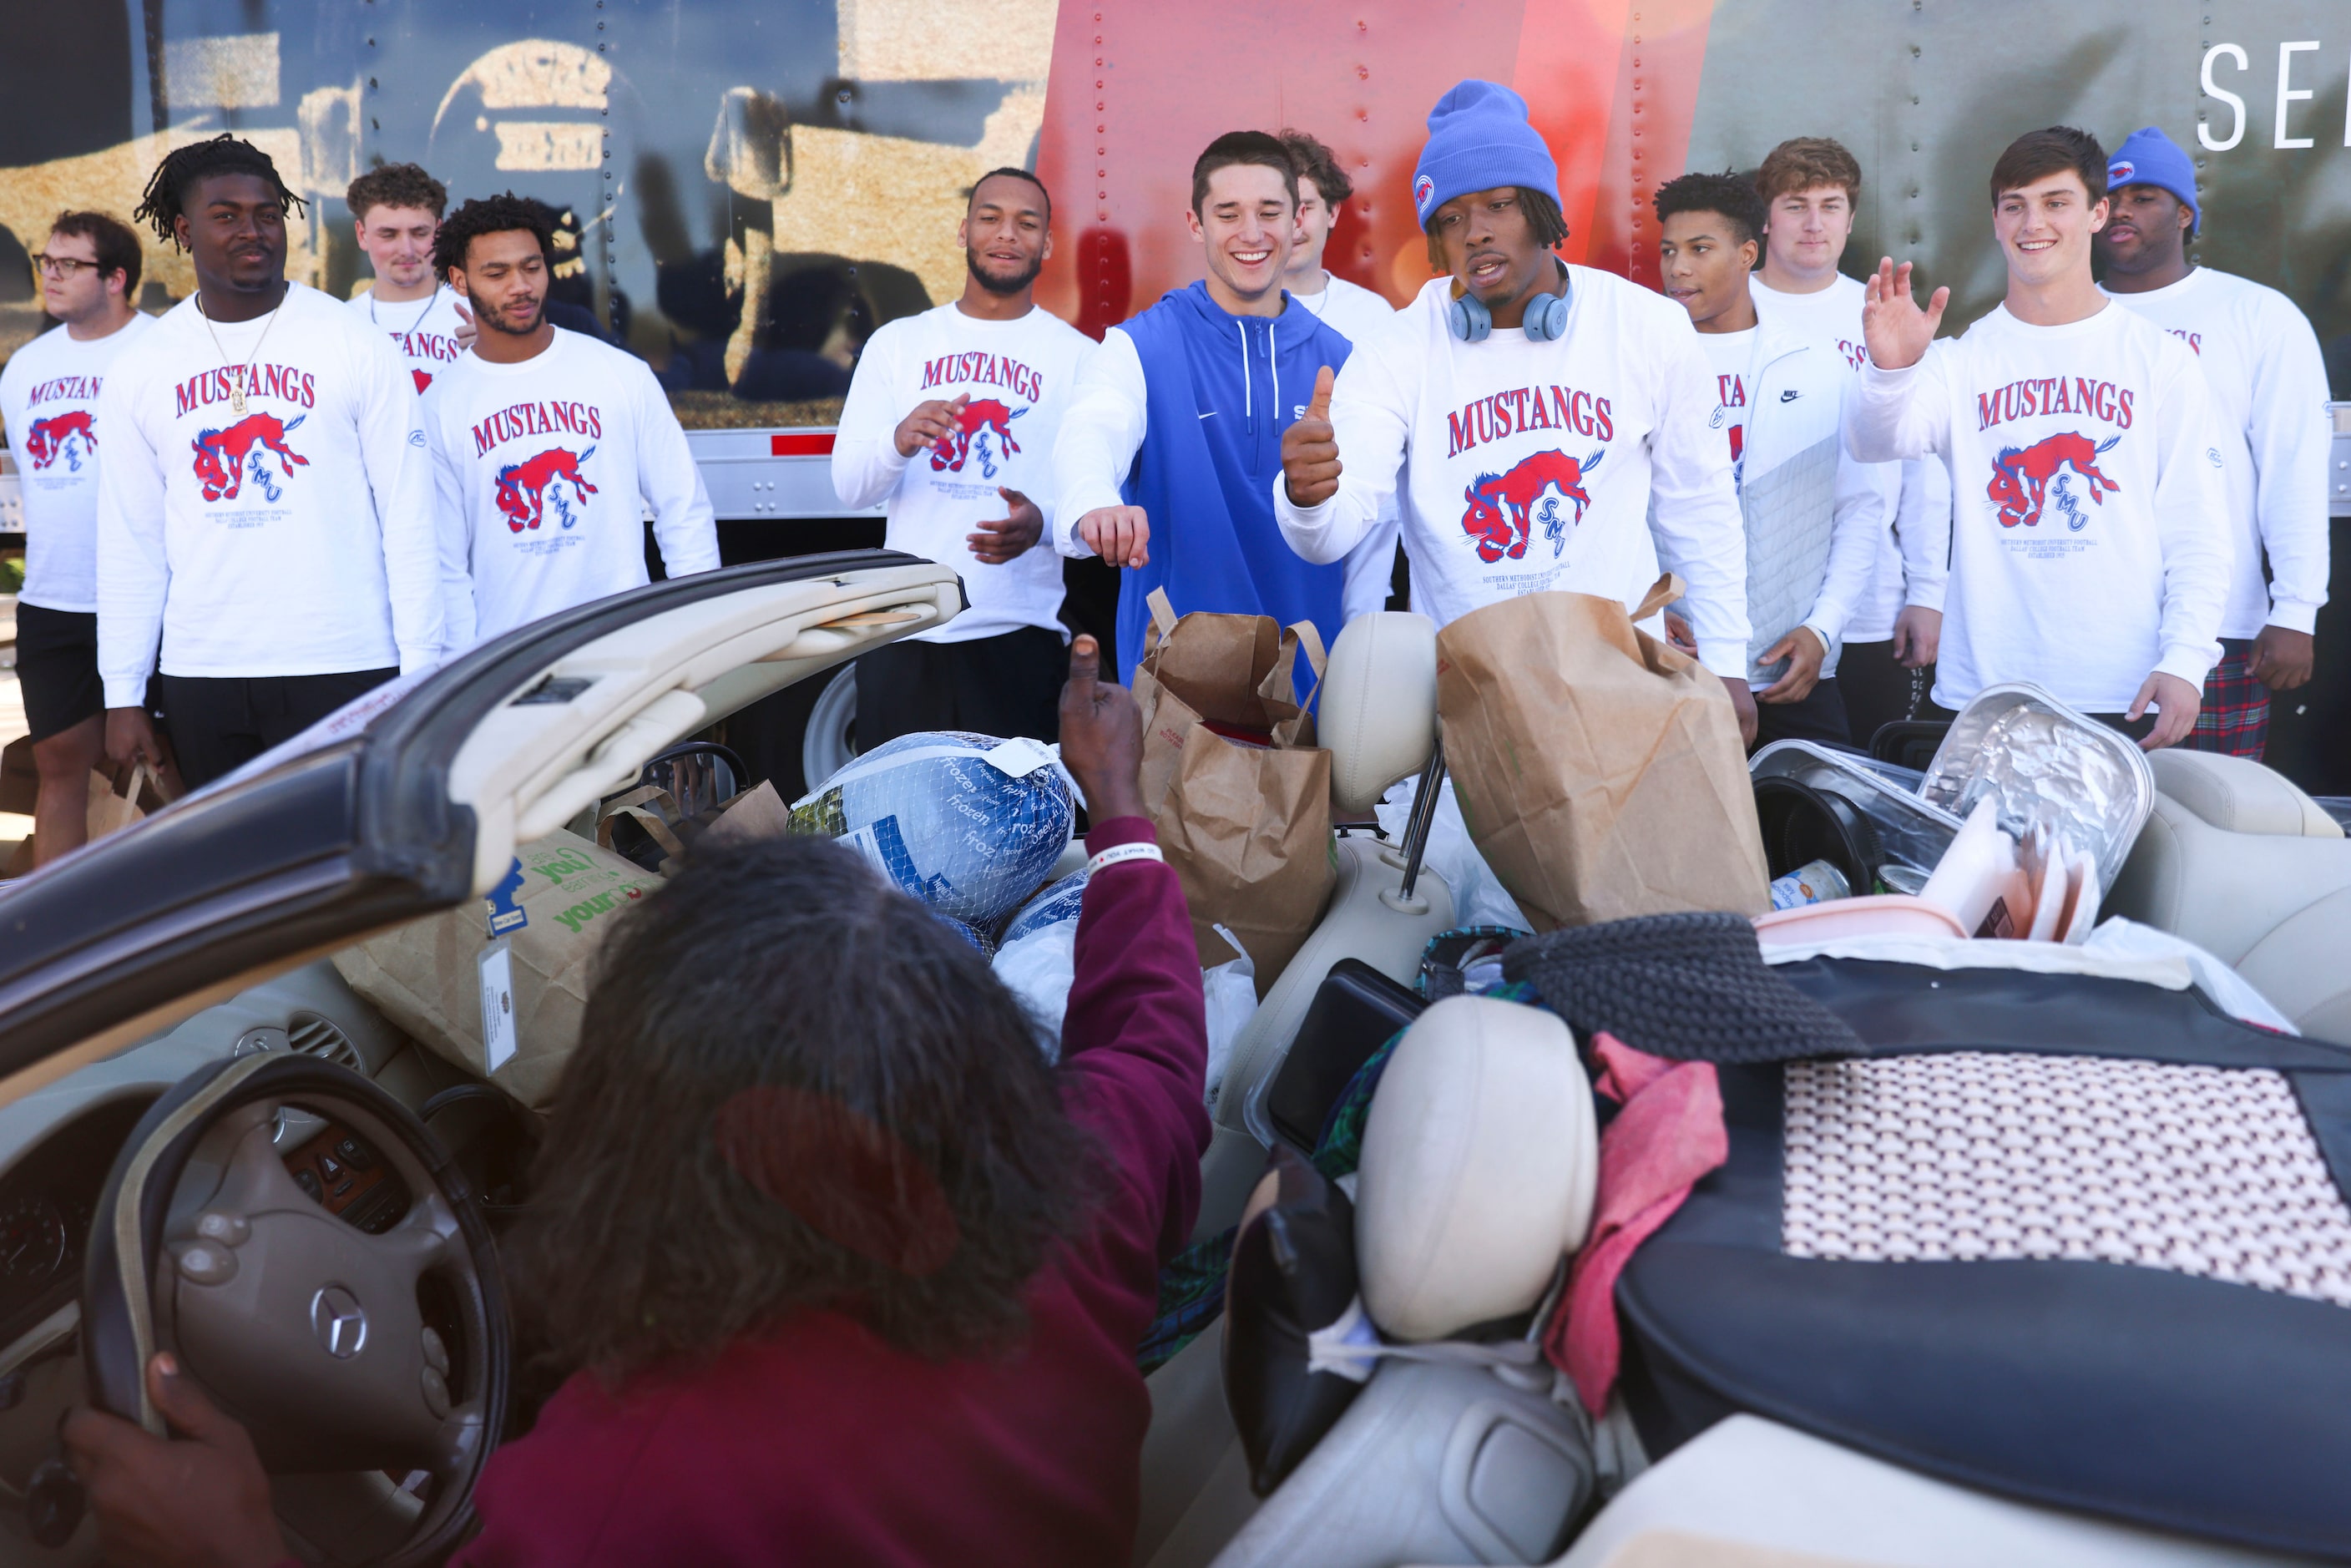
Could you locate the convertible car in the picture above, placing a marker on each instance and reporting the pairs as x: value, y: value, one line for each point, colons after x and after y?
x: 210, y: 1143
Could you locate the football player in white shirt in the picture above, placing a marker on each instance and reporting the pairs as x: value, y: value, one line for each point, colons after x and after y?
x: 397, y: 210
x: 548, y: 446
x: 48, y: 399
x: 265, y: 500
x: 2269, y: 395
x: 950, y: 422
x: 2088, y: 553
x: 1355, y: 313
x: 1810, y: 186
x: 1815, y: 518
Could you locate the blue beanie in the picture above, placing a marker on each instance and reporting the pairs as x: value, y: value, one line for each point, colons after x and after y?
x: 1479, y: 140
x: 2148, y: 157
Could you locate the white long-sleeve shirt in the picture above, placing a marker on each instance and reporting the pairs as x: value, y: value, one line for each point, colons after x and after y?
x: 2087, y: 546
x: 424, y: 330
x: 295, y: 539
x: 1020, y: 376
x: 48, y: 401
x: 1101, y: 432
x: 545, y: 470
x: 2267, y: 381
x: 1357, y: 315
x: 1528, y: 465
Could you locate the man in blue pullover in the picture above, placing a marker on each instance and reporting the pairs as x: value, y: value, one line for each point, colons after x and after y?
x: 1165, y: 460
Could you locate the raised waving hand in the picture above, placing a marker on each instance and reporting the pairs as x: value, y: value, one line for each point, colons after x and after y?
x: 1896, y: 331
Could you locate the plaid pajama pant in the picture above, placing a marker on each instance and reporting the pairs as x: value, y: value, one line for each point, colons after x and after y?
x: 2235, y: 717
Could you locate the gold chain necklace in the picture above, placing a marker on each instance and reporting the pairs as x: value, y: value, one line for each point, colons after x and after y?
x: 245, y: 376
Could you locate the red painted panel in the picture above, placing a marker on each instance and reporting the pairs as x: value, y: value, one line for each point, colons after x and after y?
x: 819, y: 445
x: 1137, y: 90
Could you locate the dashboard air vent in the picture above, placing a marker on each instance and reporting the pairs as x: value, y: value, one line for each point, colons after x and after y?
x: 314, y: 1036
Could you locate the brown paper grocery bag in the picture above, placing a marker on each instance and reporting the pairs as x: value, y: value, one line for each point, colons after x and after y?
x: 113, y: 807
x: 426, y: 975
x: 1235, y: 673
x: 1238, y: 791
x: 1600, y: 771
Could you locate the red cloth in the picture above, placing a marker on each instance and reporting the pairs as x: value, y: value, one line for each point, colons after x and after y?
x: 2235, y: 716
x: 1668, y: 1134
x: 819, y: 1444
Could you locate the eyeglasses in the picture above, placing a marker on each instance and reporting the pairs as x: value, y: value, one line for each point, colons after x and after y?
x: 60, y: 265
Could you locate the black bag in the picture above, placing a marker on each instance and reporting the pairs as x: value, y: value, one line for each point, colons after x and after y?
x: 1293, y: 1272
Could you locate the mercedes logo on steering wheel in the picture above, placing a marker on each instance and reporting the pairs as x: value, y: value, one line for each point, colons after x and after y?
x: 339, y: 1321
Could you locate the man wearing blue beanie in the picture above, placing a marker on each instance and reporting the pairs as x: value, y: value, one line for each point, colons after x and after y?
x: 1174, y: 434
x: 1551, y: 421
x: 2267, y: 381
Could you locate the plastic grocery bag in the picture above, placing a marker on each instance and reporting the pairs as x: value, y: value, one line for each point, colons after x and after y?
x: 1479, y: 897
x: 967, y: 823
x: 1230, y: 991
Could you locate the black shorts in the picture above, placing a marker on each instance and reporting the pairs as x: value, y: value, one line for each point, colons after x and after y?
x: 1003, y: 685
x: 220, y: 723
x: 57, y: 668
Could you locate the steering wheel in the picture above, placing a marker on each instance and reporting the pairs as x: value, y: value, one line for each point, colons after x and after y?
x: 340, y: 1350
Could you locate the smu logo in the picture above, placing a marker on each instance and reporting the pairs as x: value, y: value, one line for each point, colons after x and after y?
x: 969, y: 438
x: 1423, y: 188
x: 2024, y: 477
x: 226, y: 458
x: 1501, y: 513
x: 67, y: 435
x: 528, y: 488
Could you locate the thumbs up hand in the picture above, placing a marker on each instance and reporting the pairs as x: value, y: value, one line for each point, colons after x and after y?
x: 1310, y: 449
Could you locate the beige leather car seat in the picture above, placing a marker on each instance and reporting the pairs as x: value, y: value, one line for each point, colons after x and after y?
x: 1478, y: 1169
x: 1378, y: 719
x: 2240, y: 862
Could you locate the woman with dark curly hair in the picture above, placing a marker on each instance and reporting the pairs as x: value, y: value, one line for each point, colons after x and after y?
x: 840, y: 1269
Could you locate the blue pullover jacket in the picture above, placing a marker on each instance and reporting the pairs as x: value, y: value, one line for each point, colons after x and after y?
x: 1221, y: 389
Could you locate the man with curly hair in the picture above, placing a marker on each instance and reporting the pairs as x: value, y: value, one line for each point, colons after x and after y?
x: 397, y: 208
x: 265, y: 505
x: 549, y: 446
x: 1813, y: 516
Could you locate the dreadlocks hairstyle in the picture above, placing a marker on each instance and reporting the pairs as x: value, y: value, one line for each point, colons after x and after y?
x: 1733, y: 196
x: 501, y: 214
x: 1545, y: 222
x: 161, y: 207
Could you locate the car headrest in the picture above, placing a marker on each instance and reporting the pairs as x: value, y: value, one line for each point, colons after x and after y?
x: 1378, y: 711
x: 1480, y: 1159
x: 2238, y: 795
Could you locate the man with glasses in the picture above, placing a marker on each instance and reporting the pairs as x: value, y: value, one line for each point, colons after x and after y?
x: 88, y: 273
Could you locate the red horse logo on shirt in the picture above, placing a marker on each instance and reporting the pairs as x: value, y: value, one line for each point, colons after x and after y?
x: 528, y: 488
x: 69, y: 435
x: 2024, y: 477
x: 1502, y: 511
x: 424, y: 380
x: 226, y: 458
x: 969, y: 438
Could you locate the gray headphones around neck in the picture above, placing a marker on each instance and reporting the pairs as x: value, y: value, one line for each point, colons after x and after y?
x: 1545, y: 320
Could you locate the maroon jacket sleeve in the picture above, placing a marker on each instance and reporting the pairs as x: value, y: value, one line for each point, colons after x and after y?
x: 1135, y: 1040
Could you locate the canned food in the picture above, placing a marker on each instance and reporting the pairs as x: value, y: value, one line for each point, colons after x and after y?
x: 1816, y: 882
x: 1895, y: 877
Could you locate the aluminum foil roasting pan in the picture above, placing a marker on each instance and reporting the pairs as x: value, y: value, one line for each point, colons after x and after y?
x: 2049, y: 767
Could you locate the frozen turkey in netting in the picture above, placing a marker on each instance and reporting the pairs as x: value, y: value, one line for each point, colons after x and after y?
x: 967, y: 823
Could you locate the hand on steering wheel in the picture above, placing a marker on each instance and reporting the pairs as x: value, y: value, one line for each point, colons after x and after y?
x: 275, y: 1335
x: 201, y: 1498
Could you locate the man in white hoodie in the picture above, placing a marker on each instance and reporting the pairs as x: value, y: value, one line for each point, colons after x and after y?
x: 1815, y: 517
x: 1538, y: 409
x: 265, y: 500
x: 2089, y: 552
